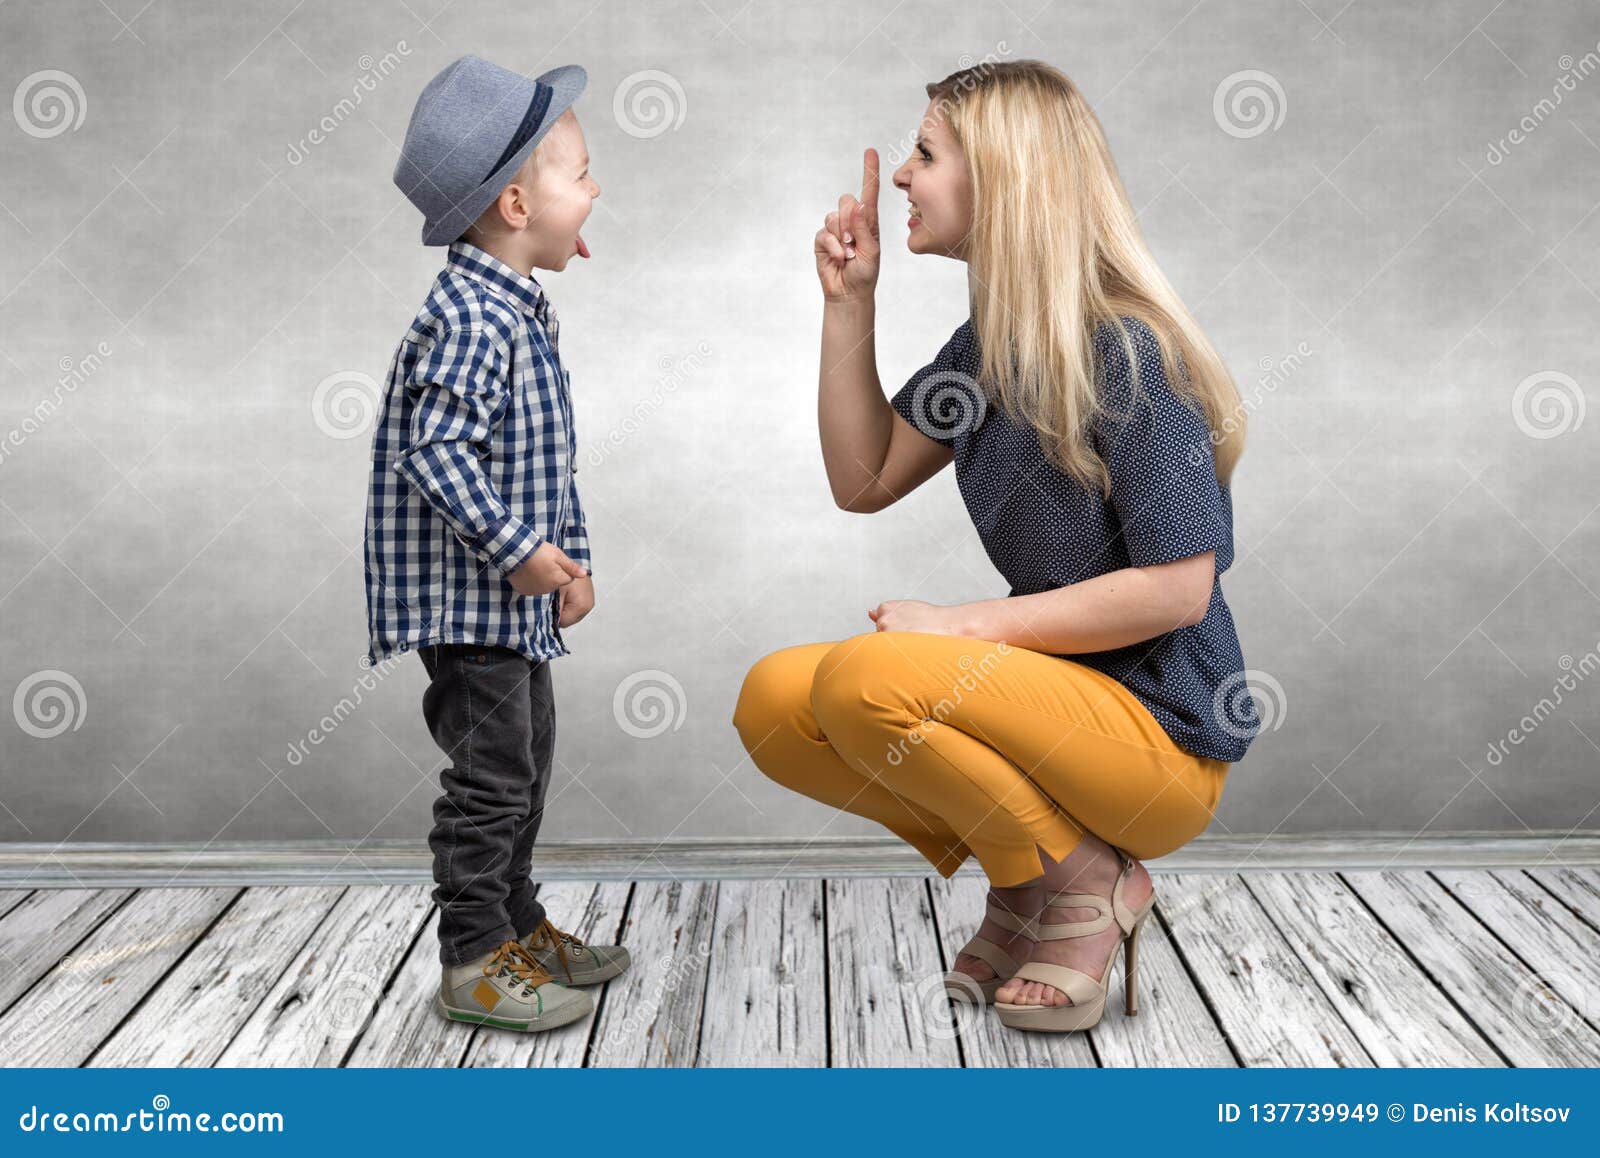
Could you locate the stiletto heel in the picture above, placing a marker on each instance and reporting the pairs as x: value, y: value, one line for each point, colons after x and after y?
x: 1130, y: 968
x: 1088, y: 996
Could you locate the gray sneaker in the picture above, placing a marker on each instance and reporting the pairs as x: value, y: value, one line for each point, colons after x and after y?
x: 509, y: 989
x: 571, y: 961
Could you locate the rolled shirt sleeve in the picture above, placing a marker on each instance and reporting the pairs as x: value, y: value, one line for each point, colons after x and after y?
x: 1157, y: 448
x: 461, y: 382
x: 943, y: 399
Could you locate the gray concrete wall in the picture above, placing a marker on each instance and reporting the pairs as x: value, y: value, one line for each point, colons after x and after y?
x: 1397, y: 262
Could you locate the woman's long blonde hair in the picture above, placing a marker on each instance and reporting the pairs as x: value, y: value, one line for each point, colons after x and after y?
x: 1055, y: 250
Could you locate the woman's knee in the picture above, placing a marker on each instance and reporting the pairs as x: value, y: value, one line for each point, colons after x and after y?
x: 849, y: 675
x: 776, y: 687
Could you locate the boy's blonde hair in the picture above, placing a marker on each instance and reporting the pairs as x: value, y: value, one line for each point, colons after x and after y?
x: 1055, y: 249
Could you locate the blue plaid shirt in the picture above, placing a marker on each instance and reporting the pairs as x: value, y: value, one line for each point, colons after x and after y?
x: 472, y: 467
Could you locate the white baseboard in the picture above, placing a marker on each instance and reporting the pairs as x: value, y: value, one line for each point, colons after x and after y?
x: 388, y: 862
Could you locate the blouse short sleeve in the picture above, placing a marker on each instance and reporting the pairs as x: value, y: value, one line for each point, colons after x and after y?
x: 943, y: 399
x: 1157, y: 448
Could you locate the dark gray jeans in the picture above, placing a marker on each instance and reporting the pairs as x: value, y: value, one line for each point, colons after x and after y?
x: 492, y: 713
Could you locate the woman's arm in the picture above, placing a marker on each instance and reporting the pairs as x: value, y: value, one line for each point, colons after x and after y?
x: 1109, y: 611
x: 871, y: 454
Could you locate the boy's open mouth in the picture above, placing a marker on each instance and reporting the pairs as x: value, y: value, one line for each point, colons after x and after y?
x: 583, y: 250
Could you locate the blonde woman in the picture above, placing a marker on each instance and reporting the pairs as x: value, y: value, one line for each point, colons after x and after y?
x: 1089, y: 718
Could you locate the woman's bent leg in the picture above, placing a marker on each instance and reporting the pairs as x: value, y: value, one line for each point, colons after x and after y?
x: 776, y: 723
x: 1014, y: 750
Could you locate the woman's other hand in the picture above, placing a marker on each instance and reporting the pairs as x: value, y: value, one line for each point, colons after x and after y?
x: 847, y: 247
x: 915, y: 615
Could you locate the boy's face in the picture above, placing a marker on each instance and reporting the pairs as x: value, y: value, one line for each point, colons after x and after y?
x: 562, y: 194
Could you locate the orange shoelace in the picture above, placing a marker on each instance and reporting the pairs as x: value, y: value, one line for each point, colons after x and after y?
x: 513, y: 959
x: 547, y: 936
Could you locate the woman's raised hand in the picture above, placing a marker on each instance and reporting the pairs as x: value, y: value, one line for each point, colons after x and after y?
x: 847, y: 245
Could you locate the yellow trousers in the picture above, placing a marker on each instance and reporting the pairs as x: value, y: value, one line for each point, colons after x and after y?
x: 965, y: 747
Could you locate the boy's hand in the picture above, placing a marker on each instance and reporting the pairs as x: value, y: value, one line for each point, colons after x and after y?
x: 847, y: 245
x: 545, y: 570
x: 577, y: 600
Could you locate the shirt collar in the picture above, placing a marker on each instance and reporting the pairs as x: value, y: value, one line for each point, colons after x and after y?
x: 523, y: 292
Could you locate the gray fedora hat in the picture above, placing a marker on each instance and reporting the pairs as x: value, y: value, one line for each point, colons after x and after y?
x: 474, y: 125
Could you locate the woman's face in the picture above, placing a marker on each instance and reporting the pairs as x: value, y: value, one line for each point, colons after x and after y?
x: 936, y: 181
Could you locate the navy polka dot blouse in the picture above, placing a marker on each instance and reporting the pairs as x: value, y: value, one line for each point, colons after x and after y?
x: 1043, y: 530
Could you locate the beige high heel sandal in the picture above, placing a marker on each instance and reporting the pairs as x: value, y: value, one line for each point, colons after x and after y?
x: 963, y: 985
x: 1088, y: 996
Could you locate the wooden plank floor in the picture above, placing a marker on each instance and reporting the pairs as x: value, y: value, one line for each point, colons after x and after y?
x: 1418, y: 968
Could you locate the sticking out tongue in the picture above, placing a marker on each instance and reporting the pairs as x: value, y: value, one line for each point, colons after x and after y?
x: 583, y: 250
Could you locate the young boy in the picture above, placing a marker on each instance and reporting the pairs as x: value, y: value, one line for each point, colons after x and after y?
x: 476, y: 550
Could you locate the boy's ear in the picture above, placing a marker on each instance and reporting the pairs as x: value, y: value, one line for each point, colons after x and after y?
x: 512, y: 206
x: 515, y: 203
